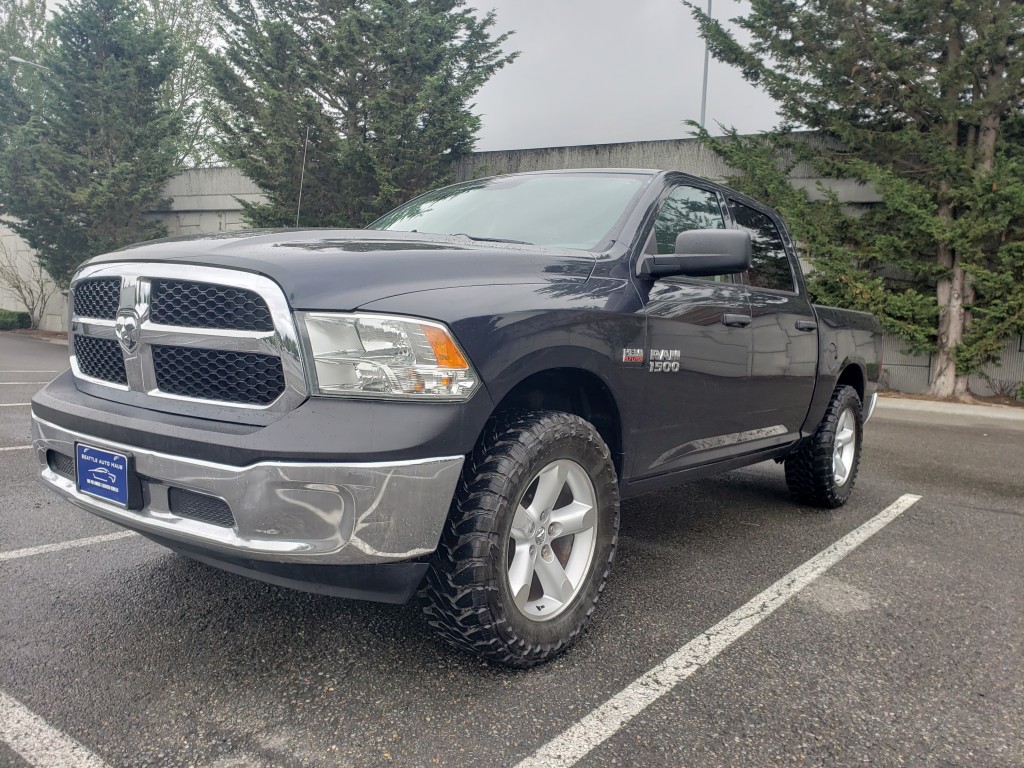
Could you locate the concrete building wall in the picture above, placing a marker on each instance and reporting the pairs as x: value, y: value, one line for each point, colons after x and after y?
x: 207, y: 200
x: 14, y: 248
x: 685, y: 155
x: 203, y: 201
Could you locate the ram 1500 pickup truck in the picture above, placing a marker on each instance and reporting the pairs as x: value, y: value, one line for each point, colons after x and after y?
x: 454, y: 400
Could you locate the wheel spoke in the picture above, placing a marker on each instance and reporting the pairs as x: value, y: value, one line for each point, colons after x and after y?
x: 523, y: 526
x: 844, y: 447
x: 573, y: 518
x: 839, y: 467
x: 550, y: 482
x: 520, y: 574
x: 554, y: 580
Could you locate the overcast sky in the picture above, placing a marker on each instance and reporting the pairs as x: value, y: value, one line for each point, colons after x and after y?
x: 603, y: 71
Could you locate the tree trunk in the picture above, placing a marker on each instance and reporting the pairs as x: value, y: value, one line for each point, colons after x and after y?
x: 950, y: 293
x: 950, y: 290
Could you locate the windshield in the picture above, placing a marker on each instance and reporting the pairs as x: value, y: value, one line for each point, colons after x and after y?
x: 570, y: 210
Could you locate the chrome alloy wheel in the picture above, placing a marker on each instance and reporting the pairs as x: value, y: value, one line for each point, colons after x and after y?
x: 845, y: 447
x: 552, y: 540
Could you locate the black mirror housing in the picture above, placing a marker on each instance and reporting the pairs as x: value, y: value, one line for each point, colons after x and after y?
x: 701, y: 253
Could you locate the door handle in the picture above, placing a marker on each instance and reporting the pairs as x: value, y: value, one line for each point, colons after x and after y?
x: 736, y: 321
x: 806, y: 325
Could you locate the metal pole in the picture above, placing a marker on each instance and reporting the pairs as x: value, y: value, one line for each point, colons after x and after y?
x: 704, y: 90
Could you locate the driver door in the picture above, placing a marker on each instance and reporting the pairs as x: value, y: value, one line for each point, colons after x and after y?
x: 697, y: 364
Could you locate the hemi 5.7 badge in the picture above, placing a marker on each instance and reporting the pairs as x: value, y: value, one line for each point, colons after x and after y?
x: 632, y: 355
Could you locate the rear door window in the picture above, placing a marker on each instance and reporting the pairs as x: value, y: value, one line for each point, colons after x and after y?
x: 769, y: 262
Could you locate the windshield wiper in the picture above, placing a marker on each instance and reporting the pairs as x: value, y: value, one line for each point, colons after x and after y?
x: 490, y: 239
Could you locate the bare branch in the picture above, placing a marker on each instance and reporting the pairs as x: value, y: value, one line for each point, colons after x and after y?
x: 33, y: 287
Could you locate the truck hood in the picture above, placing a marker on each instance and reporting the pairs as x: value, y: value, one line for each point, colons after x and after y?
x: 338, y: 269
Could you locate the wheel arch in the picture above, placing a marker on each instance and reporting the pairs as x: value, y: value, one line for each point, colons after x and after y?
x: 575, y: 390
x: 853, y: 374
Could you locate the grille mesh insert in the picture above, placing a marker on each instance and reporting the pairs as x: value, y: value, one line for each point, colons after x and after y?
x: 203, y: 305
x: 199, y: 506
x: 61, y: 463
x: 100, y: 359
x: 98, y: 298
x: 210, y: 374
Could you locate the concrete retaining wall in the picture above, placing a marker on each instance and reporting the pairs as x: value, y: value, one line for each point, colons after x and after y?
x: 203, y: 201
x: 13, y: 246
x: 673, y: 154
x: 206, y: 200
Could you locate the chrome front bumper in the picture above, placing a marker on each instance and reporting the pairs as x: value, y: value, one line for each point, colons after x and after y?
x: 288, y: 512
x: 870, y: 409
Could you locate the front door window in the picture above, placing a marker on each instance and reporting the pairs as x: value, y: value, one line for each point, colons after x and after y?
x: 684, y: 209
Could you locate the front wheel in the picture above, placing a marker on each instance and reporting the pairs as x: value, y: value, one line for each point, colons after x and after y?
x: 529, y: 542
x: 823, y: 470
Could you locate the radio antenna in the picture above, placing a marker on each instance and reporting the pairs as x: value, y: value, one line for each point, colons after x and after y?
x: 302, y: 177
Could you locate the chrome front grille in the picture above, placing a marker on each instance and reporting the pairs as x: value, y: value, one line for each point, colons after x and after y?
x: 98, y: 298
x: 202, y: 305
x: 216, y: 374
x: 183, y: 339
x: 100, y: 358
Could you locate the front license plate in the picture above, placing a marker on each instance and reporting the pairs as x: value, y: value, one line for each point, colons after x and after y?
x: 102, y: 474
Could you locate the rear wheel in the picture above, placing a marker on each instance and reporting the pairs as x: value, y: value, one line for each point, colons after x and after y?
x: 529, y: 542
x: 823, y: 470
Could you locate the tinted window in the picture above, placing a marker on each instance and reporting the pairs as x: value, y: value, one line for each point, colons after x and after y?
x: 769, y: 264
x: 572, y: 210
x: 684, y: 209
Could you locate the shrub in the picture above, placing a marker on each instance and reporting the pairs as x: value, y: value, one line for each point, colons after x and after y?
x: 9, y: 319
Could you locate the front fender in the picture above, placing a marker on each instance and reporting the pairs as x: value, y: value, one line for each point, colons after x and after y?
x: 571, y: 324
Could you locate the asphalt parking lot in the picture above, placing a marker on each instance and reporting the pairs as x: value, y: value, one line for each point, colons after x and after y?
x: 907, y: 651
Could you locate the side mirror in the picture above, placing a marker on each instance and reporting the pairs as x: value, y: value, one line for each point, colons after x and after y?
x: 701, y: 253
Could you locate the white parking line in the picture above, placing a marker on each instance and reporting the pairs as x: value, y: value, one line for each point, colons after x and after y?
x: 13, y: 405
x: 29, y: 371
x: 24, y: 382
x: 16, y: 554
x: 37, y: 742
x: 572, y: 745
x: 16, y: 448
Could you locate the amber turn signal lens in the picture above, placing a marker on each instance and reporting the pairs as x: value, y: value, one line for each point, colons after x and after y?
x: 447, y: 354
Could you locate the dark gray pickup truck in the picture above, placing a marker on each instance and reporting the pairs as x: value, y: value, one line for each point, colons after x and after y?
x: 454, y: 400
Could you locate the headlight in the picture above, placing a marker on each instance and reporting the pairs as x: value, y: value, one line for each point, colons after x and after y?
x: 380, y: 356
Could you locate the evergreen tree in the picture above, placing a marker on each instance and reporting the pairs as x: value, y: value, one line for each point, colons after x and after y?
x: 380, y: 87
x: 848, y: 248
x: 22, y: 29
x: 924, y: 100
x: 92, y: 156
x: 191, y: 25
